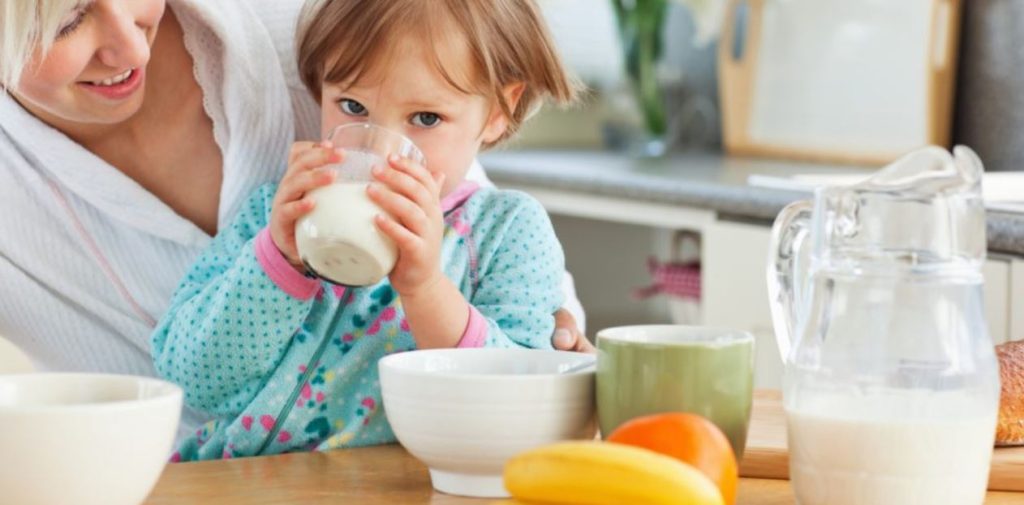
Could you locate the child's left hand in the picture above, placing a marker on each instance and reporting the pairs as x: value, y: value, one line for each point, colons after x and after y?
x: 412, y: 195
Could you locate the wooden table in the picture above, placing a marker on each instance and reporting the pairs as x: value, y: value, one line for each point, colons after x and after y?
x: 376, y: 475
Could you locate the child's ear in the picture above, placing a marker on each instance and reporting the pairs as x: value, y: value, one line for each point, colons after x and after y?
x: 497, y: 123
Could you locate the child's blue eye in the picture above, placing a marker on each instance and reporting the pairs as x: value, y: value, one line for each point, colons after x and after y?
x: 352, y: 107
x: 426, y: 119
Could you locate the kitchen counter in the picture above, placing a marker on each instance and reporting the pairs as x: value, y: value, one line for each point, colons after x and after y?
x: 370, y: 476
x: 695, y: 181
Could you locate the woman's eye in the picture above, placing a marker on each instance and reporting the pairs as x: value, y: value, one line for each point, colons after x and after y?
x: 69, y: 27
x: 426, y: 119
x: 352, y: 107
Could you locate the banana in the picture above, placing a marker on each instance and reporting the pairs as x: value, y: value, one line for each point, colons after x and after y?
x: 596, y: 473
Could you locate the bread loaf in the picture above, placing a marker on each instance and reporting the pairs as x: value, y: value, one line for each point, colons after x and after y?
x: 1010, y: 430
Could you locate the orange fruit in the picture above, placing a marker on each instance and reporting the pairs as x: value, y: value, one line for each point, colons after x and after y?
x: 689, y: 438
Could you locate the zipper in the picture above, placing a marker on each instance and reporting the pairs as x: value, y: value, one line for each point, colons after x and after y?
x: 310, y: 367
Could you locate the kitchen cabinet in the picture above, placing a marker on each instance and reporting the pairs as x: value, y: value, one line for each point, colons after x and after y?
x: 1016, y: 303
x: 735, y: 291
x: 997, y: 272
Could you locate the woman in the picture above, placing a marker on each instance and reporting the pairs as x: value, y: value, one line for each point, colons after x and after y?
x: 128, y: 132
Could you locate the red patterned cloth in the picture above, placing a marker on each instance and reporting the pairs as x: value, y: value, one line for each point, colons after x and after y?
x: 679, y: 280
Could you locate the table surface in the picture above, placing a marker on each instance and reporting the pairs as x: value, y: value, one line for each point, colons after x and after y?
x: 369, y: 476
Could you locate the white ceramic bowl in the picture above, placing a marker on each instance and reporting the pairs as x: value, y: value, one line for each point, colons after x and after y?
x: 465, y: 412
x: 84, y: 439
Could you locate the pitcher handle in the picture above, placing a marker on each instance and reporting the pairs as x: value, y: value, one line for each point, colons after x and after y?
x: 785, y: 273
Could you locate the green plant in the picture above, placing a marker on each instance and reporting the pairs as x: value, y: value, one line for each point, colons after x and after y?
x: 641, y: 25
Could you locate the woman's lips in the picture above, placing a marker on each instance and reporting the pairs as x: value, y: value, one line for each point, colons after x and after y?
x: 117, y: 87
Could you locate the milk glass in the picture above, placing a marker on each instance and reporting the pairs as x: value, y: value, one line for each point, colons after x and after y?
x: 338, y: 241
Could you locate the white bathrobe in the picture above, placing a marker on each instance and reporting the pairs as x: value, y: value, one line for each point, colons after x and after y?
x: 88, y: 258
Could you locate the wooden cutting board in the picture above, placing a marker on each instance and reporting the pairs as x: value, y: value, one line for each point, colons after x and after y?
x: 860, y: 81
x: 767, y: 457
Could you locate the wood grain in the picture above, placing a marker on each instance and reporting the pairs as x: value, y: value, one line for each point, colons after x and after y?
x: 942, y: 82
x: 370, y: 476
x: 767, y: 456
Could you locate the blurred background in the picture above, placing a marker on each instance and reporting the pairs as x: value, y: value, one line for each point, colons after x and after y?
x: 703, y: 118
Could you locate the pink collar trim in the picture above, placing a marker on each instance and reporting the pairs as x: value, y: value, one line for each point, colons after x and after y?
x: 459, y: 195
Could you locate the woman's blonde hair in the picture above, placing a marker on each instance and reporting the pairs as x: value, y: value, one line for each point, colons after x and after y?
x: 26, y: 27
x: 340, y: 41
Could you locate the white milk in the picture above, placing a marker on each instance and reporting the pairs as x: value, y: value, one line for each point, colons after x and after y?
x: 339, y: 240
x: 850, y: 450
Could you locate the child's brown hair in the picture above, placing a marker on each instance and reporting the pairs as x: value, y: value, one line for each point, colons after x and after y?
x: 340, y: 41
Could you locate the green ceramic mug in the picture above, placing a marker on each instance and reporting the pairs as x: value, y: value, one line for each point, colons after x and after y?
x: 643, y: 370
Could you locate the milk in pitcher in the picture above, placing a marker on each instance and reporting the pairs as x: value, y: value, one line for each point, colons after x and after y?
x: 861, y: 451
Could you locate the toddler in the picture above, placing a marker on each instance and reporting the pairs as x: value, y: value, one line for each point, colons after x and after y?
x: 247, y: 335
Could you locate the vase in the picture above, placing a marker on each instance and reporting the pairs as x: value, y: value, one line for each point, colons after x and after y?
x: 641, y: 25
x: 654, y: 109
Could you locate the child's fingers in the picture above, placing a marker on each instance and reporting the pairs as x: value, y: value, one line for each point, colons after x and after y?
x: 406, y: 185
x: 404, y: 239
x: 282, y: 226
x: 315, y: 157
x: 292, y: 211
x: 297, y: 149
x: 297, y: 185
x: 300, y: 148
x: 414, y: 170
x: 410, y: 215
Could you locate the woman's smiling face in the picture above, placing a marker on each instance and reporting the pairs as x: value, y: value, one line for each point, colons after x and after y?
x: 94, y: 73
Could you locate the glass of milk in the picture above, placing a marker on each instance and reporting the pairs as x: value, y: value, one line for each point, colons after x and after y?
x: 891, y: 387
x: 338, y: 241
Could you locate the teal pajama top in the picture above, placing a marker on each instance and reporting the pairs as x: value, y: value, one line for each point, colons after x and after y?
x: 250, y: 339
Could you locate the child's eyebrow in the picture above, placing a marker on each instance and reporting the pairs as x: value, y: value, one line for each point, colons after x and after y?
x: 424, y: 104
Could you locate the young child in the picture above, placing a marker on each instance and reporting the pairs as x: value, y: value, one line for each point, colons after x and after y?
x: 246, y: 335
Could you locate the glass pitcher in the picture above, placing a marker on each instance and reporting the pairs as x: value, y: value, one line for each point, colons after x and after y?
x: 891, y: 385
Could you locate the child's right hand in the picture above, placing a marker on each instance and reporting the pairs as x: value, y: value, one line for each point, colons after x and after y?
x: 306, y: 172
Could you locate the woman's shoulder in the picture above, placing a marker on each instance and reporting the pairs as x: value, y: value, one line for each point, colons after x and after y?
x: 249, y: 24
x: 280, y: 18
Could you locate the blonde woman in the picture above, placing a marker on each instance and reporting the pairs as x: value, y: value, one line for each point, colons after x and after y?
x: 130, y: 130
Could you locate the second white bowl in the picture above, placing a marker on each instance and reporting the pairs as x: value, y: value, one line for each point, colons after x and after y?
x: 465, y: 412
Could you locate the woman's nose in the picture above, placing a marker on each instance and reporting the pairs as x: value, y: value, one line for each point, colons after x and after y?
x: 125, y: 41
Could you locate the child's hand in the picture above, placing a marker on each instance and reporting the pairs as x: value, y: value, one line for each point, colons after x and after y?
x: 306, y: 172
x: 412, y: 195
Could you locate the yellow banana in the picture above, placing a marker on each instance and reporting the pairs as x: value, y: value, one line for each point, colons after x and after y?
x: 596, y: 473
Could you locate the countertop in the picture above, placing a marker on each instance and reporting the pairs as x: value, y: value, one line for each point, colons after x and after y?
x: 708, y: 181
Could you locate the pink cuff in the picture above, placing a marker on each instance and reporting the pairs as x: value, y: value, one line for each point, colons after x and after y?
x: 476, y: 330
x: 282, y: 273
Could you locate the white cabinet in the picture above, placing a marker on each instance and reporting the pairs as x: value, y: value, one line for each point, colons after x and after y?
x: 997, y: 297
x: 735, y: 292
x: 1016, y: 303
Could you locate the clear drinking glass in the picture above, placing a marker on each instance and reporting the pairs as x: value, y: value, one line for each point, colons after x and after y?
x: 338, y: 241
